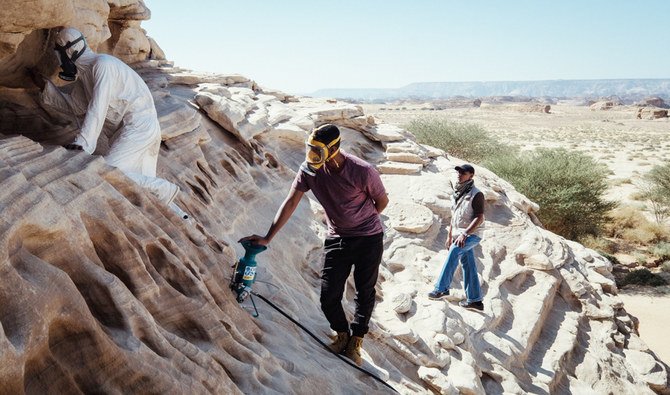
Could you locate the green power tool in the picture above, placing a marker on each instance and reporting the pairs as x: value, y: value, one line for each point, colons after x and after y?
x: 244, y: 273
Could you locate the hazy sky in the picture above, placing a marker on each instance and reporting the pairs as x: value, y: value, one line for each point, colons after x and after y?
x: 301, y: 46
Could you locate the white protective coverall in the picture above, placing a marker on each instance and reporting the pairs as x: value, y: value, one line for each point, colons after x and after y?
x: 107, y: 89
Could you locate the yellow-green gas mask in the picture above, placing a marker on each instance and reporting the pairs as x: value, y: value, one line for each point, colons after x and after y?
x: 319, y: 153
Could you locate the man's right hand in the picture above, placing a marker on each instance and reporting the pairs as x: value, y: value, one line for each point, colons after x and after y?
x: 74, y: 147
x: 255, y: 239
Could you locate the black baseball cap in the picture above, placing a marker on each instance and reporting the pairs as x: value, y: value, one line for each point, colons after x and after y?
x: 466, y: 168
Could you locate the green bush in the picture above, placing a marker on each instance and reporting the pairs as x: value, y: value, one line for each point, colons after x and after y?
x: 660, y: 176
x: 643, y: 277
x: 568, y: 186
x: 657, y: 191
x: 661, y: 250
x: 466, y: 141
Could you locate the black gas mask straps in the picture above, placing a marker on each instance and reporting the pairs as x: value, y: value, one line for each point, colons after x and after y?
x: 69, y: 72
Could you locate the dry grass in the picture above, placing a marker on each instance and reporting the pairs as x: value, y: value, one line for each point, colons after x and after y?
x: 600, y: 244
x: 630, y: 225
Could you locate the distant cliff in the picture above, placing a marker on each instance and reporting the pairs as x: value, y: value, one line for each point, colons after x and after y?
x: 626, y: 89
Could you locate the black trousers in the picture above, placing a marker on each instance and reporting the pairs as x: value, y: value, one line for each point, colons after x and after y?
x: 364, y: 253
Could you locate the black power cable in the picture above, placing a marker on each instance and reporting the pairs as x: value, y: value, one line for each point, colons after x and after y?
x: 320, y: 342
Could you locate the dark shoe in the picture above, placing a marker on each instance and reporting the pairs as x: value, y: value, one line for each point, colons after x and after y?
x: 437, y: 295
x: 472, y: 305
x: 353, y: 350
x: 339, y: 342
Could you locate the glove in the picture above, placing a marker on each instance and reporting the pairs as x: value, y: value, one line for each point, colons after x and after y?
x: 74, y: 147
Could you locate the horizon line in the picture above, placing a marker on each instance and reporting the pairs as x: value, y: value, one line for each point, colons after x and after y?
x: 499, y: 81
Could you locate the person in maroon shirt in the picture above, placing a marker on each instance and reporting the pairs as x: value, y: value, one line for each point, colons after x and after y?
x: 352, y: 195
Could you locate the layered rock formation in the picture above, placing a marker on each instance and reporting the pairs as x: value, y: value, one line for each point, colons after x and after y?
x: 104, y: 289
x: 651, y: 113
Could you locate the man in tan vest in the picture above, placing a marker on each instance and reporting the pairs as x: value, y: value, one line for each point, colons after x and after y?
x: 464, y: 235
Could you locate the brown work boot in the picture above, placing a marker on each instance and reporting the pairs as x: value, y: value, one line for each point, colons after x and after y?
x: 353, y: 350
x: 340, y: 342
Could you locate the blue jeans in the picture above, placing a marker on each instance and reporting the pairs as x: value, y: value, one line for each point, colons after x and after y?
x: 470, y: 278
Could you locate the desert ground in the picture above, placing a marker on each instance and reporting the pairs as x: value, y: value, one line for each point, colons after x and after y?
x: 628, y: 146
x: 650, y: 307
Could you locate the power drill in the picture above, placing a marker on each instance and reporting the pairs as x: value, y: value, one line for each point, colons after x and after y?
x: 244, y: 273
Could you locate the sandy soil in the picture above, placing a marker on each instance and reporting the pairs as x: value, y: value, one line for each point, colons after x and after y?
x: 651, y: 308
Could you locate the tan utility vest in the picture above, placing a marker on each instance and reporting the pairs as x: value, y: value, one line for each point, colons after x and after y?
x: 462, y: 214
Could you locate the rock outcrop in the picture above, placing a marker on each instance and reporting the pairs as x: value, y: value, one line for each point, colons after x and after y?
x: 104, y: 289
x: 605, y: 105
x: 651, y: 113
x: 653, y: 102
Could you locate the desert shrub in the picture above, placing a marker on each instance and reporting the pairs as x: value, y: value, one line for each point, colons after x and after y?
x: 657, y: 191
x: 599, y: 244
x: 660, y: 232
x: 629, y: 224
x: 623, y: 218
x: 613, y: 260
x: 660, y: 176
x: 645, y: 234
x: 665, y: 266
x: 659, y: 202
x: 466, y: 141
x: 661, y: 250
x: 639, y: 196
x: 643, y: 277
x: 568, y: 186
x: 640, y: 258
x: 619, y: 181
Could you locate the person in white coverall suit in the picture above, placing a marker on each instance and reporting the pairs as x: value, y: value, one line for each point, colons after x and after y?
x: 107, y: 89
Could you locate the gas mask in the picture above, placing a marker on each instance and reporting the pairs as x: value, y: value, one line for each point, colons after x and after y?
x: 69, y: 72
x: 319, y: 153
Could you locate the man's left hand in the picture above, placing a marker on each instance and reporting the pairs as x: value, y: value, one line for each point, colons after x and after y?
x: 255, y: 239
x: 460, y: 240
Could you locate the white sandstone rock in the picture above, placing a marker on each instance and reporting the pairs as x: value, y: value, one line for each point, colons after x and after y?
x: 464, y: 375
x: 445, y: 341
x: 538, y: 261
x: 405, y: 158
x: 401, y: 302
x: 385, y: 132
x: 436, y: 379
x: 399, y: 168
x: 410, y: 217
x: 433, y: 152
x: 648, y: 367
x: 489, y: 194
x: 402, y: 147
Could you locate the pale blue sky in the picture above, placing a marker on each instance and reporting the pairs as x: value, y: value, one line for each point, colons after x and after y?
x: 301, y: 46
